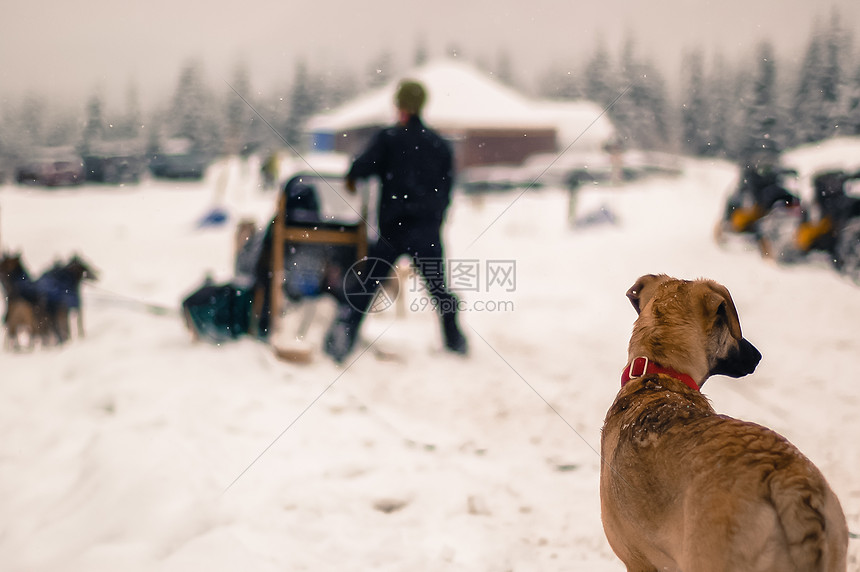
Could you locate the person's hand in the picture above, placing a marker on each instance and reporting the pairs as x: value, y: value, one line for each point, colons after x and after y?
x: 350, y: 185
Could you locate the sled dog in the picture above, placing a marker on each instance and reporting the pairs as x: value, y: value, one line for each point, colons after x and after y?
x: 683, y: 488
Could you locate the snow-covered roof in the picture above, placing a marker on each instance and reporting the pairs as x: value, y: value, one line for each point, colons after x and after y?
x: 459, y: 97
x: 580, y: 124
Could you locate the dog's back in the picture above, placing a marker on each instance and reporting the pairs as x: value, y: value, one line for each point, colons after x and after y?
x: 780, y: 514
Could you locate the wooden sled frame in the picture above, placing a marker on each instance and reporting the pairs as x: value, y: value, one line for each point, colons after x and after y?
x: 347, y: 234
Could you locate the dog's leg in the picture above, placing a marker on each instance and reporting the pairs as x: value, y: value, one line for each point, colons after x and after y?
x: 45, y: 326
x: 60, y: 321
x: 758, y: 545
x: 80, y: 316
x: 626, y: 551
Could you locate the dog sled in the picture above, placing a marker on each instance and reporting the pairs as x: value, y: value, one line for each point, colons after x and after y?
x: 315, y: 235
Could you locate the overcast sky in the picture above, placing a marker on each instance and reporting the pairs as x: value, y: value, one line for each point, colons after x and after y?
x: 74, y: 48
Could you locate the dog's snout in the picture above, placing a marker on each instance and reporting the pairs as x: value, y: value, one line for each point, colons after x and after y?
x: 749, y: 355
x: 741, y: 361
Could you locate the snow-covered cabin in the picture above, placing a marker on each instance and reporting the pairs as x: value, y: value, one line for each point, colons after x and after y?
x: 487, y: 122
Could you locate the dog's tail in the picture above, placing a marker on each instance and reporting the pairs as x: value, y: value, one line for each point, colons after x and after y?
x: 811, y: 518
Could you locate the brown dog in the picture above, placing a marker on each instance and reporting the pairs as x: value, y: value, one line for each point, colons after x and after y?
x: 682, y: 488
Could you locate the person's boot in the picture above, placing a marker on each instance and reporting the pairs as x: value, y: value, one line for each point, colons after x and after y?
x: 339, y: 340
x: 455, y: 341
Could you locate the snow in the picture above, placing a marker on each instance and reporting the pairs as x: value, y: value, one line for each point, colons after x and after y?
x: 135, y: 449
x: 841, y: 153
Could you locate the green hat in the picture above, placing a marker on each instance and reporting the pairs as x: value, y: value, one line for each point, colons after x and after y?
x: 410, y: 96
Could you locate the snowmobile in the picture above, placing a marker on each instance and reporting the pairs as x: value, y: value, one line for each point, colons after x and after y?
x: 828, y: 226
x: 761, y: 207
x: 832, y: 224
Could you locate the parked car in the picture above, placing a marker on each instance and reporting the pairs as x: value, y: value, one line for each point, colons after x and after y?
x: 178, y: 159
x: 179, y: 166
x: 52, y: 168
x: 122, y: 161
x: 114, y: 169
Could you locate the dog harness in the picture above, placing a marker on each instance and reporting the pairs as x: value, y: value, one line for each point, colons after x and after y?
x: 641, y: 366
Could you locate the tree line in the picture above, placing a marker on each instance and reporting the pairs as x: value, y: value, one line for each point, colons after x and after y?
x: 723, y: 109
x: 720, y: 108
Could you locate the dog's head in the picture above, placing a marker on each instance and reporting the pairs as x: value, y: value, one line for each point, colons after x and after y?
x: 10, y: 261
x: 80, y: 269
x: 12, y: 270
x: 691, y: 326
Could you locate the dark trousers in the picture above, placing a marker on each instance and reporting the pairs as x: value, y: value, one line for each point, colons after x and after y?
x: 419, y: 240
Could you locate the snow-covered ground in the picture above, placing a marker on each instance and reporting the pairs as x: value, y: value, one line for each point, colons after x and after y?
x: 135, y: 449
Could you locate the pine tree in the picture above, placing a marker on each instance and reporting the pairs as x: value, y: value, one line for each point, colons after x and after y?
x: 695, y: 128
x: 624, y: 112
x: 762, y: 113
x: 304, y: 102
x: 832, y: 78
x: 806, y: 97
x: 336, y: 86
x: 818, y: 101
x: 7, y: 147
x: 561, y: 82
x: 239, y: 115
x: 599, y: 83
x: 130, y: 125
x: 852, y: 104
x: 32, y: 125
x: 63, y: 127
x: 652, y: 103
x: 192, y: 114
x: 94, y: 127
x: 640, y: 114
x: 723, y: 115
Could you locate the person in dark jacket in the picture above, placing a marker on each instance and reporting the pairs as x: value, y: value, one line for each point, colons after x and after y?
x: 416, y: 169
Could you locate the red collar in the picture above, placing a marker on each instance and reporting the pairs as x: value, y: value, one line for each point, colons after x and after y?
x: 642, y: 366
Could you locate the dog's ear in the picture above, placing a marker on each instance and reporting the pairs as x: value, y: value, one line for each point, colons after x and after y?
x: 718, y: 303
x: 643, y: 289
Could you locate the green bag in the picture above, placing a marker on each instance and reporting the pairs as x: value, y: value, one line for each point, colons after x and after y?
x: 219, y: 312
